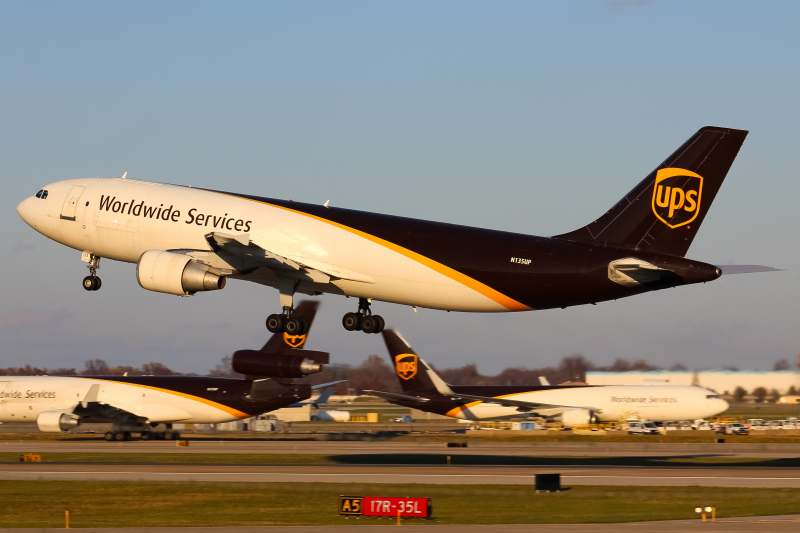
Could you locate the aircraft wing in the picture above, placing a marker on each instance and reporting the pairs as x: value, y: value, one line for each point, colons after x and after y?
x: 242, y: 246
x: 523, y: 406
x: 518, y: 404
x: 91, y: 408
x: 104, y: 411
x: 391, y: 396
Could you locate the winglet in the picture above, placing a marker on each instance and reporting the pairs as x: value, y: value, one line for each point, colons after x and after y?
x: 91, y: 395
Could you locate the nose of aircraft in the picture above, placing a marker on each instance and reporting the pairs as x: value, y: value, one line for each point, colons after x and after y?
x: 722, y: 405
x: 24, y: 211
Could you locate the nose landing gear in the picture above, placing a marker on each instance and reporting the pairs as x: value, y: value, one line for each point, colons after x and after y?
x: 92, y: 282
x: 363, y: 320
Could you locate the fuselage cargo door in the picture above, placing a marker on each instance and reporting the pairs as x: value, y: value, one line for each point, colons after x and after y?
x: 71, y: 203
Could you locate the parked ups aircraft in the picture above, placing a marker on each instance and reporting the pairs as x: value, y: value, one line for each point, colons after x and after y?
x: 186, y: 240
x: 573, y: 404
x: 139, y: 404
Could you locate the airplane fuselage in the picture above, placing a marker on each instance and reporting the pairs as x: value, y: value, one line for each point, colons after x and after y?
x: 158, y: 399
x: 609, y: 403
x: 387, y: 258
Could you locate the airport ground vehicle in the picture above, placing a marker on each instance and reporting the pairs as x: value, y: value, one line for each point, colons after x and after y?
x: 701, y: 424
x: 733, y: 428
x: 642, y: 427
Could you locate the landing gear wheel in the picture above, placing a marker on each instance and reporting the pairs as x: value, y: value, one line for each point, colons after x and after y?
x: 351, y: 321
x: 275, y: 323
x: 369, y: 324
x: 372, y: 324
x: 91, y: 283
x: 146, y: 435
x: 119, y: 436
x: 109, y: 436
x: 294, y: 326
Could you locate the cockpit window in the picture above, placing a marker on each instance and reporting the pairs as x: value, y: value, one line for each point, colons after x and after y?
x: 42, y: 194
x: 712, y: 396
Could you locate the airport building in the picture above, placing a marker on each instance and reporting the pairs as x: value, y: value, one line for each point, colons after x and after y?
x: 720, y: 381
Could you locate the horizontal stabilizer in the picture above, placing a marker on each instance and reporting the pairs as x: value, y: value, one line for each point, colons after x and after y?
x: 746, y: 269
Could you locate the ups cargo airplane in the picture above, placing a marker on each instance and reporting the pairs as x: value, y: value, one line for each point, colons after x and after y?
x: 574, y: 405
x: 186, y: 240
x: 140, y: 404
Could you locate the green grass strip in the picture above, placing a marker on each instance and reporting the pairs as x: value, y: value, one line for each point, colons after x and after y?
x: 42, y: 504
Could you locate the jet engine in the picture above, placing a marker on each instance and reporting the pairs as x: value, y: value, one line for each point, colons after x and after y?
x: 57, y: 420
x: 258, y: 363
x: 162, y: 271
x: 578, y: 417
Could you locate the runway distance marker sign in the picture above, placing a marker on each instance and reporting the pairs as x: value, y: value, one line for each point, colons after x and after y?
x: 374, y: 506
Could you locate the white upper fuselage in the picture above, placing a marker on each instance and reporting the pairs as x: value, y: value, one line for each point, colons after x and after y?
x: 22, y: 399
x: 139, y: 216
x: 611, y: 403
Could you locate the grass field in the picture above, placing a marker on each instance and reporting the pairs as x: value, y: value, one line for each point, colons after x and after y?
x: 177, y: 504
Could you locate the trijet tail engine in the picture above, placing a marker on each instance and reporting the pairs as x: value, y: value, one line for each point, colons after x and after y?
x: 272, y: 365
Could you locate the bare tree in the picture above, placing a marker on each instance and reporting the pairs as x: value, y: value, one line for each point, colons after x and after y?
x: 781, y: 365
x: 157, y: 369
x: 95, y: 367
x: 739, y: 393
x: 760, y: 393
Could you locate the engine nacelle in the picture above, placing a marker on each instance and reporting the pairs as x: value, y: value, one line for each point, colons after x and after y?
x: 162, y: 271
x: 577, y: 417
x: 57, y: 420
x: 258, y: 363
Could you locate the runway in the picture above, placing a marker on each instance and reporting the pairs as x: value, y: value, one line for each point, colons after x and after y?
x: 750, y: 477
x: 339, y: 447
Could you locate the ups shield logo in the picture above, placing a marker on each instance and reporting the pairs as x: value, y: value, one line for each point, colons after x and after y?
x: 406, y: 365
x: 676, y: 196
x: 294, y: 341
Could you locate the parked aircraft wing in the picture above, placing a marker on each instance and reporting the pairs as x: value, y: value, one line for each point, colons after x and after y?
x: 390, y: 396
x: 295, y: 266
x: 506, y: 402
x: 104, y: 411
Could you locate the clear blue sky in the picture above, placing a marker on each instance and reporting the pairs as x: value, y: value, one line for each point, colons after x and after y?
x: 532, y: 117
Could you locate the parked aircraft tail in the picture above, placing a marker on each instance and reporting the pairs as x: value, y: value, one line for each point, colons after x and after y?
x: 283, y: 355
x: 663, y: 213
x: 412, y: 372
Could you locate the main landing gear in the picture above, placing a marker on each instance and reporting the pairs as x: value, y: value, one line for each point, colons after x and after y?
x: 363, y: 320
x: 286, y: 322
x: 92, y: 282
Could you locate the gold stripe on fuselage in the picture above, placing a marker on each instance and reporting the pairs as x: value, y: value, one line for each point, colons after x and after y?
x: 222, y: 407
x: 455, y: 275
